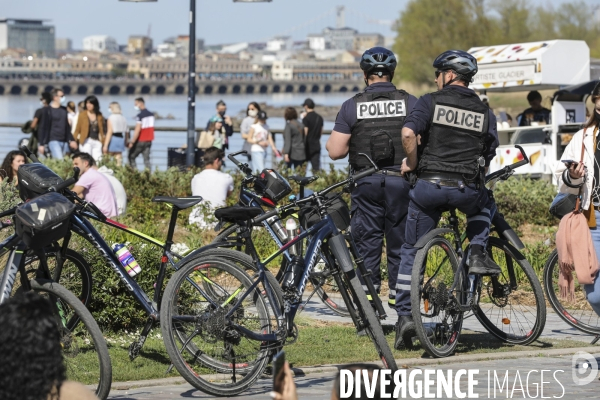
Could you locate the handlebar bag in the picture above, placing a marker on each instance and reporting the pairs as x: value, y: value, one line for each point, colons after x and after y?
x: 338, y: 210
x: 43, y: 220
x: 35, y: 179
x: 272, y: 185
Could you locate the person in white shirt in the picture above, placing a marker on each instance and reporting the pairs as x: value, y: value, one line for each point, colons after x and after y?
x: 213, y: 185
x: 260, y: 138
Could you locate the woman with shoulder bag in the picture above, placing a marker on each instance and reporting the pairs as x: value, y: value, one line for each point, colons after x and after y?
x: 215, y: 135
x: 582, y: 178
x: 90, y: 129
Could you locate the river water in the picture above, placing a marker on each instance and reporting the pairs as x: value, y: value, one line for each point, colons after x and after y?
x: 19, y: 109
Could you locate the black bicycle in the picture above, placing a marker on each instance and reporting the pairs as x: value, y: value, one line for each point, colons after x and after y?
x: 221, y: 326
x: 510, y: 306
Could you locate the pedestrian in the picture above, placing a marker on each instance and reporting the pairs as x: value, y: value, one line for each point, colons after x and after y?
x: 294, y: 151
x: 450, y: 170
x: 535, y: 114
x: 94, y: 186
x: 214, y: 136
x: 380, y: 201
x: 8, y: 171
x: 227, y: 122
x: 91, y: 128
x: 313, y: 128
x: 71, y: 112
x: 55, y: 130
x: 141, y: 142
x: 213, y: 185
x: 251, y: 112
x: 260, y: 138
x: 116, y: 133
x: 570, y: 177
x: 45, y: 100
x: 32, y: 364
x: 80, y: 109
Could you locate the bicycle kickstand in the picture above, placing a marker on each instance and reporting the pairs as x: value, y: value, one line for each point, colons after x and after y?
x: 136, y: 346
x: 595, y: 339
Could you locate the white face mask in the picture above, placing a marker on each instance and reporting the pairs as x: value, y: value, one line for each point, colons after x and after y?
x: 252, y: 113
x: 42, y: 103
x: 63, y: 100
x: 136, y: 108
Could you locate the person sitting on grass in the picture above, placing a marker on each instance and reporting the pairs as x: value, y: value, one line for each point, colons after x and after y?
x: 32, y: 366
x: 94, y: 186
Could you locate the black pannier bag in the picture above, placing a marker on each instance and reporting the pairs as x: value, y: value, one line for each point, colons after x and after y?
x: 43, y: 220
x: 35, y: 179
x: 338, y: 210
x: 272, y: 185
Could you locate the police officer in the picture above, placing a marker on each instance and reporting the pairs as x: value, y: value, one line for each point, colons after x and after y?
x: 371, y: 123
x: 458, y: 140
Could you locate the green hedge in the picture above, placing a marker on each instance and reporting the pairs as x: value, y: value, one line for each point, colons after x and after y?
x: 521, y: 201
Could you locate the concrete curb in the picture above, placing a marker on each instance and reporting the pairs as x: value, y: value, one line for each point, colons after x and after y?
x: 402, y: 363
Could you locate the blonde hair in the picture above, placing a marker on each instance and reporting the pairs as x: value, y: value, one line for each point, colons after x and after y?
x: 115, y: 107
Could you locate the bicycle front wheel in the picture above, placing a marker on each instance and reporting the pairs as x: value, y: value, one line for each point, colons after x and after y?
x: 84, y: 349
x: 438, y: 320
x: 511, y: 306
x: 575, y: 311
x: 207, y: 348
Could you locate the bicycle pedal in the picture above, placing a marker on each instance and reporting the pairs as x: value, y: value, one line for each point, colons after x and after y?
x: 134, y: 350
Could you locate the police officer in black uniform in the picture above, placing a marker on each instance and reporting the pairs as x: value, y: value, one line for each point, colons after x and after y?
x: 371, y: 123
x: 458, y: 140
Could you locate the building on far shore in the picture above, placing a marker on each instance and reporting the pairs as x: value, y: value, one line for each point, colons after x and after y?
x: 63, y: 44
x: 100, y: 43
x: 28, y: 34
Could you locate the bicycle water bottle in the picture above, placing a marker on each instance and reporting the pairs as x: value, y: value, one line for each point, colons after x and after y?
x: 293, y: 274
x: 127, y: 261
x: 277, y: 226
x: 292, y: 231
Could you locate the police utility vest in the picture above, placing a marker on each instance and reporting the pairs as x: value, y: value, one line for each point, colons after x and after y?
x: 457, y: 134
x: 378, y: 128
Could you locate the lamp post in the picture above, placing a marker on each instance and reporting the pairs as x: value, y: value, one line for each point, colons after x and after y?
x: 191, y: 131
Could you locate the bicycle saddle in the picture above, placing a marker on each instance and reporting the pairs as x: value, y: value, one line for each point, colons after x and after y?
x: 237, y: 213
x: 180, y: 202
x: 303, y: 180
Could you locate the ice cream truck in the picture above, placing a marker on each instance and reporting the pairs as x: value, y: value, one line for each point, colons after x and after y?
x: 563, y: 65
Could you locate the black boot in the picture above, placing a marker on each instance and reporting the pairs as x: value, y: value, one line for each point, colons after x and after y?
x: 480, y: 263
x: 405, y: 331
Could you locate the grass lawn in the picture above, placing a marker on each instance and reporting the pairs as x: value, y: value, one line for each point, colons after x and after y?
x: 319, y: 343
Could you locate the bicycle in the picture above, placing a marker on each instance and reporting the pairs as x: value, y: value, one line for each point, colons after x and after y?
x: 84, y: 348
x: 577, y: 311
x: 221, y: 340
x: 442, y: 291
x: 321, y: 280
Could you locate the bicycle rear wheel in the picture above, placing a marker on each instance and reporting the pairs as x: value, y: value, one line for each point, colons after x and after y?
x: 438, y: 320
x: 211, y: 355
x: 576, y: 312
x: 511, y: 306
x: 84, y: 349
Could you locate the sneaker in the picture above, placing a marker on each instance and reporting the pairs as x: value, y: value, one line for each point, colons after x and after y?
x: 405, y: 331
x: 482, y: 264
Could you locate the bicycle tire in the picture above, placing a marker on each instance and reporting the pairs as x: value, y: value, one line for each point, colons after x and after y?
x: 331, y: 301
x: 374, y: 329
x: 74, y: 341
x: 511, y: 324
x: 207, y: 322
x: 578, y: 313
x: 444, y: 332
x: 77, y: 280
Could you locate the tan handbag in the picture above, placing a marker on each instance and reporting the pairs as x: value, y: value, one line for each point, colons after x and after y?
x: 206, y: 140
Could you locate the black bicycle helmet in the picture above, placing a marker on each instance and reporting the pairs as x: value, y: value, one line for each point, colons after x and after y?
x: 459, y: 61
x: 378, y: 59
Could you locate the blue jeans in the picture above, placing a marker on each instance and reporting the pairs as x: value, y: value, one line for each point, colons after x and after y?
x: 58, y: 149
x: 592, y: 291
x: 258, y: 160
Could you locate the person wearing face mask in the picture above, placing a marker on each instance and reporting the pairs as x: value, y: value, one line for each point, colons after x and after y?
x: 55, y: 130
x: 571, y: 176
x: 251, y: 113
x: 227, y: 123
x: 142, y: 136
x: 45, y: 101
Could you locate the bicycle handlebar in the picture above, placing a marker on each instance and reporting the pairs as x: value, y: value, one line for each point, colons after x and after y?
x: 242, y: 166
x: 29, y: 154
x: 68, y: 182
x: 8, y: 212
x: 505, y: 172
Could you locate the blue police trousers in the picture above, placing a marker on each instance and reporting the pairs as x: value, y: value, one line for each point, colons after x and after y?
x: 426, y: 198
x: 379, y: 209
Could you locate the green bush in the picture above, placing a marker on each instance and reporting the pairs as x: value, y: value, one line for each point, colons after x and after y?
x: 524, y: 200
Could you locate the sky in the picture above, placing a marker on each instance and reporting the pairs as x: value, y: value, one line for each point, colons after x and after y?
x: 218, y: 21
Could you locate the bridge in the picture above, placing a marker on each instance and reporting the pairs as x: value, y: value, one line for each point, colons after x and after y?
x: 164, y: 87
